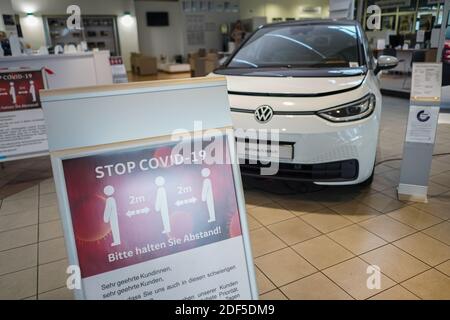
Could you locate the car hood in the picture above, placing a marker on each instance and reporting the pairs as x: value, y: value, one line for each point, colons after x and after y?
x: 292, y: 86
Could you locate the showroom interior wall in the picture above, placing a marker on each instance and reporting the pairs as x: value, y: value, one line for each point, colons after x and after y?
x: 172, y: 40
x: 284, y: 9
x: 5, y: 8
x: 33, y: 27
x: 155, y: 41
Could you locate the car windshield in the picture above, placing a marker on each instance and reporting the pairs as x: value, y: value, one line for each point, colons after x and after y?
x: 300, y: 46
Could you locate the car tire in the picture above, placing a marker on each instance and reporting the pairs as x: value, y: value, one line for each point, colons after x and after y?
x: 369, y: 180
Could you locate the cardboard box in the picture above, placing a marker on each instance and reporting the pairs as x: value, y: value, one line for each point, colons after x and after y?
x: 143, y: 65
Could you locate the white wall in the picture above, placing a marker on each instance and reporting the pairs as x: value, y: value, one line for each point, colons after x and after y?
x: 172, y: 40
x: 35, y: 35
x: 5, y: 8
x: 282, y: 8
x: 156, y: 41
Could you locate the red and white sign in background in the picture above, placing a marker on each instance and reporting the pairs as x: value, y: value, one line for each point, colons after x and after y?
x: 150, y: 223
x: 22, y: 126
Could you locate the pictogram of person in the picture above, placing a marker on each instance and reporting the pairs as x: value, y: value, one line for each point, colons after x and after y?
x: 207, y: 194
x: 110, y: 215
x: 12, y: 92
x: 32, y: 90
x: 161, y: 204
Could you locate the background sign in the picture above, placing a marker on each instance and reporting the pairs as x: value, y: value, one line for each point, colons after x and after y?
x: 22, y: 126
x: 152, y: 224
x: 118, y: 70
x: 426, y: 82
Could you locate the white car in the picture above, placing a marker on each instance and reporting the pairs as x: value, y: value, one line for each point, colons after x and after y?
x: 316, y: 82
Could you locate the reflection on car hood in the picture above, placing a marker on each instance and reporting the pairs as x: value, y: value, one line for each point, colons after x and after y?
x: 292, y: 86
x: 292, y: 72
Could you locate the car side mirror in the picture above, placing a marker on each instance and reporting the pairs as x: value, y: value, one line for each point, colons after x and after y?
x: 385, y: 63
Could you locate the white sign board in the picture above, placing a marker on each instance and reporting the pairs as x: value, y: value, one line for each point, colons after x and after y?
x: 422, y: 124
x: 157, y: 216
x: 426, y: 82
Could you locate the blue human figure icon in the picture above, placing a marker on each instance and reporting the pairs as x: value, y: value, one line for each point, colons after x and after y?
x: 207, y: 194
x: 161, y: 204
x: 110, y: 215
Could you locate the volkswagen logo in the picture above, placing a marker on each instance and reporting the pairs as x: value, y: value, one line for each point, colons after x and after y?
x: 263, y: 113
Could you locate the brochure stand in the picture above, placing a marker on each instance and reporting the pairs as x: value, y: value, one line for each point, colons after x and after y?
x: 151, y: 207
x: 421, y: 131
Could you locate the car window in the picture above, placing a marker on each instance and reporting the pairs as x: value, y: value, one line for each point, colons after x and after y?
x: 309, y: 46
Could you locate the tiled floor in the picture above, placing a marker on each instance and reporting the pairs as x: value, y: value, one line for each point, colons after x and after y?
x: 314, y: 245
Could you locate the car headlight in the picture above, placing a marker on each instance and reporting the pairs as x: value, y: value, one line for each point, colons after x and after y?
x: 351, y: 111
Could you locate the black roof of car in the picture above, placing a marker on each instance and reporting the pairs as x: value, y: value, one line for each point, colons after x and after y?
x: 303, y: 22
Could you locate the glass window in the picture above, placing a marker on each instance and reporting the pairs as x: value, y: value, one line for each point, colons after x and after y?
x: 311, y: 46
x: 408, y: 5
x: 386, y: 6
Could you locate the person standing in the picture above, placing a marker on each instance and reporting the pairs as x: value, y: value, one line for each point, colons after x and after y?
x: 238, y: 33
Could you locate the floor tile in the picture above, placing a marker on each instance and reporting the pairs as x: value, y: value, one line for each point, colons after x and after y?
x: 26, y: 193
x: 18, y: 220
x: 50, y: 230
x: 435, y: 189
x: 49, y: 213
x: 356, y: 211
x: 273, y: 295
x: 18, y: 259
x: 293, y: 231
x: 18, y: 237
x: 270, y: 214
x: 52, y: 250
x: 356, y: 239
x: 395, y: 293
x: 382, y: 202
x: 440, y: 232
x: 437, y: 207
x: 264, y: 284
x: 52, y: 276
x: 444, y: 268
x: 326, y: 220
x: 256, y: 198
x: 314, y: 287
x: 442, y: 179
x: 387, y: 228
x: 322, y: 252
x: 19, y: 205
x: 57, y: 294
x: 429, y: 285
x: 414, y: 217
x: 425, y: 248
x: 18, y: 285
x: 46, y: 200
x: 298, y: 205
x: 47, y: 186
x: 395, y: 263
x: 253, y: 224
x: 352, y: 276
x: 263, y: 241
x: 284, y: 266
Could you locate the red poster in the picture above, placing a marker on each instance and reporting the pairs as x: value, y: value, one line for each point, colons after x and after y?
x: 19, y: 90
x: 136, y: 205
